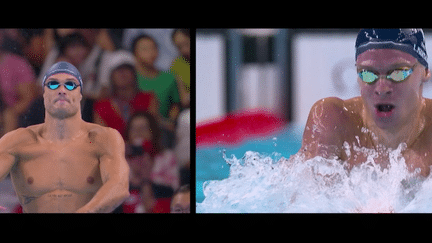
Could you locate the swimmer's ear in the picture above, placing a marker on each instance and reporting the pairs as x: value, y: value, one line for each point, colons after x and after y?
x: 427, y: 74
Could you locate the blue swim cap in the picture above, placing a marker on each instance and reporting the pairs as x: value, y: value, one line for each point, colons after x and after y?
x: 411, y: 41
x: 63, y: 67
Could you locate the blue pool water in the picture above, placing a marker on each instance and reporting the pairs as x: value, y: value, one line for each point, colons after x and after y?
x: 210, y: 164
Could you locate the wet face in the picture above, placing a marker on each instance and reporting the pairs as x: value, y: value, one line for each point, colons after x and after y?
x: 62, y: 103
x: 391, y: 104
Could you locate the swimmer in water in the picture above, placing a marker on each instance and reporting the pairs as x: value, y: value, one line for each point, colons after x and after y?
x: 392, y: 69
x: 65, y: 164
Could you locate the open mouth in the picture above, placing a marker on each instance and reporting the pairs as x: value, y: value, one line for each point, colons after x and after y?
x: 385, y: 107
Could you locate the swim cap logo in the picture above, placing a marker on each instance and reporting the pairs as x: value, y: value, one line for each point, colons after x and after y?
x: 420, y: 51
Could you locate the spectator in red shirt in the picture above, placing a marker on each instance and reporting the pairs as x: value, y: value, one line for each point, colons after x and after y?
x: 125, y: 100
x: 154, y: 171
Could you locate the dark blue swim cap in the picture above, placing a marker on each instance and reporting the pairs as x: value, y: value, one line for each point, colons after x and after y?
x: 411, y: 41
x: 63, y: 67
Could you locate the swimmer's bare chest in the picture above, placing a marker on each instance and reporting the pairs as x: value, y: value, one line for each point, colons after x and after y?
x: 56, y: 177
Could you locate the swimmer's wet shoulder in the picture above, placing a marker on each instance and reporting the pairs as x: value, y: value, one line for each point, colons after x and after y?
x: 419, y: 152
x: 327, y: 126
x: 8, y: 148
x: 114, y: 171
x: 335, y: 128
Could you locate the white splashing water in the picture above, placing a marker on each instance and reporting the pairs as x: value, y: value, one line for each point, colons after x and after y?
x: 264, y: 184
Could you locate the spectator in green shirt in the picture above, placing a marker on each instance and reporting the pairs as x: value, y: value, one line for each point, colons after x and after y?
x: 163, y: 84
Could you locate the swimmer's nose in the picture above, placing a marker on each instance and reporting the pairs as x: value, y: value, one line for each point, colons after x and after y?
x: 383, y: 87
x: 62, y: 90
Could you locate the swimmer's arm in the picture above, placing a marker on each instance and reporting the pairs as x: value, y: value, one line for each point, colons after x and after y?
x: 324, y: 130
x: 7, y: 159
x: 115, y: 177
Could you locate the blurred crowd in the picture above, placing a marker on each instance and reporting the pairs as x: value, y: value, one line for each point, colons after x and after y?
x: 135, y: 80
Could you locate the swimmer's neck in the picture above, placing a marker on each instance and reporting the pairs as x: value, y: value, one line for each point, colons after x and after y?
x: 55, y: 129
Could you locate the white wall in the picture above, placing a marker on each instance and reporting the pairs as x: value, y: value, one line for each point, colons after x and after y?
x: 210, y: 77
x: 259, y: 87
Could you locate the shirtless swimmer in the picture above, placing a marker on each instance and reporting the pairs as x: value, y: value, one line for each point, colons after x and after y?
x: 392, y: 69
x: 65, y: 164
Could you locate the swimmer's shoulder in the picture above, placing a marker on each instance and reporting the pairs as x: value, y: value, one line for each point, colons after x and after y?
x: 101, y: 134
x: 353, y: 105
x: 326, y: 125
x: 326, y: 112
x: 19, y: 137
x: 335, y: 104
x: 428, y: 103
x: 329, y: 105
x: 428, y: 112
x: 333, y: 110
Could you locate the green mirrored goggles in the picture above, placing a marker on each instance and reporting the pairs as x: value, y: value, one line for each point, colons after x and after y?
x: 397, y: 75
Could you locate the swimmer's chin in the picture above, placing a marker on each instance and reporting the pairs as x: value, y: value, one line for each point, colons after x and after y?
x: 61, y: 114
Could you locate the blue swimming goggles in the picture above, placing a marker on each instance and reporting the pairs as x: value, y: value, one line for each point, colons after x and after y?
x: 397, y: 75
x: 52, y: 85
